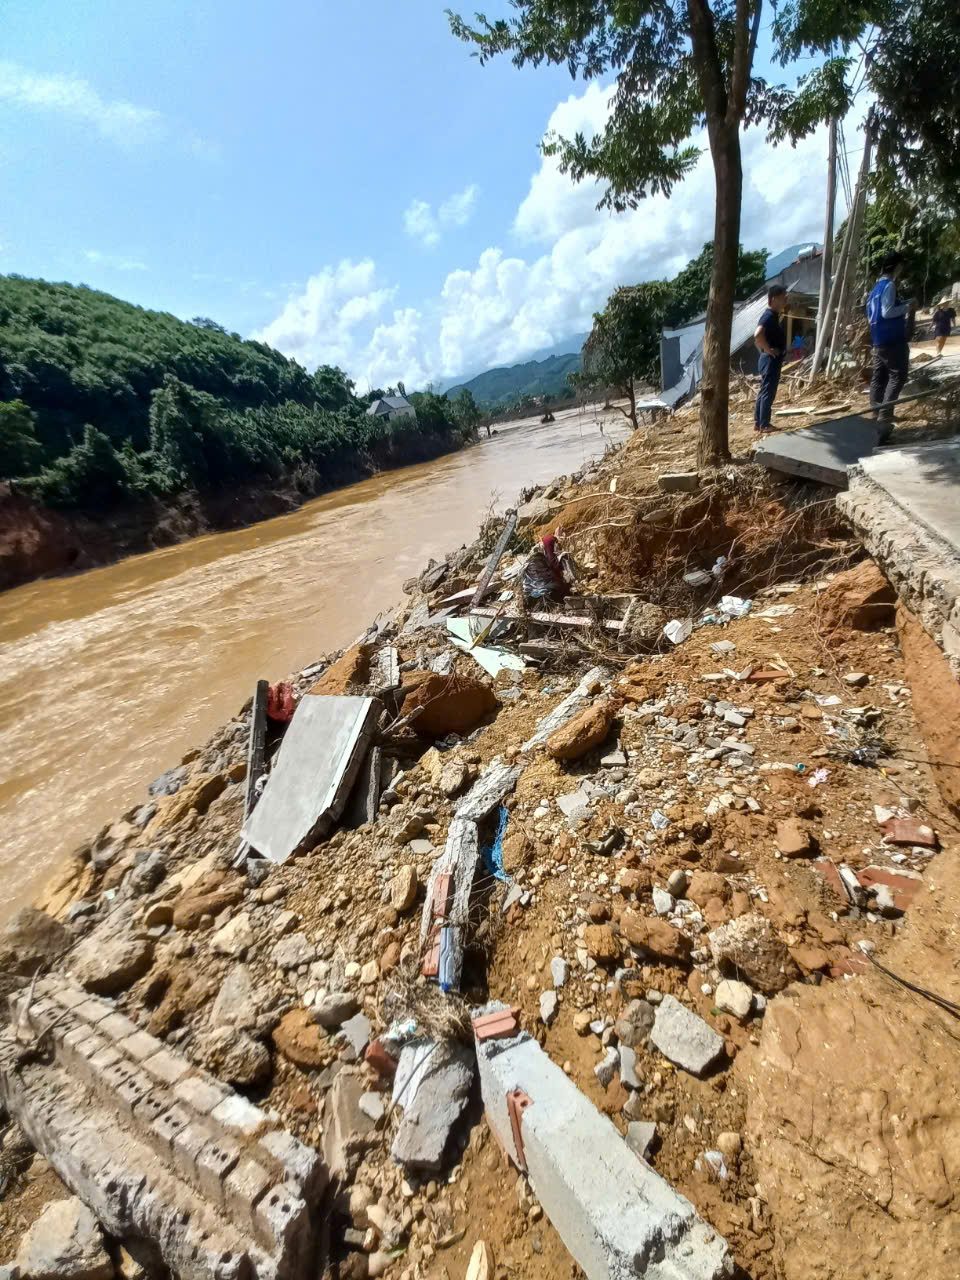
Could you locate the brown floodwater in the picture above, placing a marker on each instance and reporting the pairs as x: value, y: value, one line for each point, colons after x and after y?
x: 108, y: 677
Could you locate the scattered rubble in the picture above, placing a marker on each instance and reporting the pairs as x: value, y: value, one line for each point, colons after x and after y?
x: 630, y: 885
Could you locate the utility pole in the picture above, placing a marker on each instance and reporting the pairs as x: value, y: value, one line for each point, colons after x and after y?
x: 826, y: 262
x: 855, y: 224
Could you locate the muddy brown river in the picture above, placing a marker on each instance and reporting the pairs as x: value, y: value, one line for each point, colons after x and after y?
x: 107, y: 678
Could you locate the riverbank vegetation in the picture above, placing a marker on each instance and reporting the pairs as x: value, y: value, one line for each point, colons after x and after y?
x: 103, y: 402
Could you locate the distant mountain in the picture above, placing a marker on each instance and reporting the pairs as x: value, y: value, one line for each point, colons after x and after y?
x: 565, y: 347
x: 498, y: 388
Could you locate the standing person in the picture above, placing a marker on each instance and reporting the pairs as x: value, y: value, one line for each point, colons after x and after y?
x: 942, y: 323
x: 889, y: 319
x: 771, y: 341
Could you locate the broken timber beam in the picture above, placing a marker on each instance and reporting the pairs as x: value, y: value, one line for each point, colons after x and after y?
x: 565, y: 621
x: 496, y: 555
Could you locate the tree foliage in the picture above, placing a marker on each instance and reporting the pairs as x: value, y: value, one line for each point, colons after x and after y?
x: 101, y: 400
x: 623, y: 349
x: 690, y: 288
x: 20, y: 451
x: 679, y: 65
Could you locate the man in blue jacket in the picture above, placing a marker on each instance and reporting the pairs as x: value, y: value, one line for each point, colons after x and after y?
x: 888, y: 318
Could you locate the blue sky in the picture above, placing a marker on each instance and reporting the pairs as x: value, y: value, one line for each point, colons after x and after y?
x: 343, y: 180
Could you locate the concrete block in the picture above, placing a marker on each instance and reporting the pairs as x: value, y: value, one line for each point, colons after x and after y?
x: 140, y: 1045
x: 116, y: 1027
x: 200, y: 1094
x: 293, y: 1162
x: 432, y: 1086
x: 281, y: 1220
x: 618, y: 1218
x: 67, y: 995
x: 93, y: 1010
x: 239, y: 1117
x: 214, y: 1163
x: 166, y: 1067
x: 682, y: 1036
x: 149, y: 1108
x: 133, y: 1090
x: 188, y: 1142
x: 104, y: 1058
x: 242, y: 1189
x: 166, y: 1127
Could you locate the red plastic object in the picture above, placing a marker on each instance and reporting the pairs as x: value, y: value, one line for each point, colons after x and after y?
x: 280, y: 703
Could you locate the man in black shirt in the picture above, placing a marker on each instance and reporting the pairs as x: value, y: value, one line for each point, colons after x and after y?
x: 771, y: 341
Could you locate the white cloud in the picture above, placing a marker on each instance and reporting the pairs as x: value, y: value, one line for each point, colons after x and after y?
x: 420, y: 221
x: 114, y: 261
x: 76, y: 99
x: 319, y: 325
x: 506, y: 306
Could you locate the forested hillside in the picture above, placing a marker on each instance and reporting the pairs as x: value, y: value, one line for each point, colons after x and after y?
x: 102, y: 401
x: 503, y: 388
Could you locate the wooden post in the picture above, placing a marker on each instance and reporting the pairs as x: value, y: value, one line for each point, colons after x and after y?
x: 496, y: 555
x: 855, y: 227
x: 257, y: 744
x: 826, y: 262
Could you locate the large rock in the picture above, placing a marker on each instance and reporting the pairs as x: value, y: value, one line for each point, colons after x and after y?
x: 704, y: 885
x: 584, y: 732
x: 236, y: 1004
x: 348, y: 1132
x: 432, y: 1086
x: 348, y: 674
x: 682, y: 1036
x: 643, y: 626
x: 191, y: 907
x: 234, y: 1056
x: 333, y: 1010
x: 195, y: 796
x: 860, y: 598
x: 403, y: 888
x: 300, y: 1040
x: 71, y: 880
x: 31, y: 939
x: 602, y: 943
x: 439, y: 705
x: 233, y: 938
x: 107, y: 965
x: 748, y: 948
x: 65, y: 1243
x: 657, y: 937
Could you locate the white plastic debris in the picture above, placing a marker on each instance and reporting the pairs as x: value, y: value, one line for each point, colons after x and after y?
x: 719, y: 567
x: 713, y: 1162
x: 735, y: 606
x: 723, y: 646
x: 818, y: 776
x: 659, y: 821
x: 677, y: 631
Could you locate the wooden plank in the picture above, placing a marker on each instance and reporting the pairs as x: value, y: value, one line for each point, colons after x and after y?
x: 256, y: 745
x: 496, y: 555
x: 316, y: 766
x: 566, y: 621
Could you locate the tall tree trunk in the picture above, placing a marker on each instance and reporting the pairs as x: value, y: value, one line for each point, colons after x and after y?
x: 714, y: 444
x: 632, y: 396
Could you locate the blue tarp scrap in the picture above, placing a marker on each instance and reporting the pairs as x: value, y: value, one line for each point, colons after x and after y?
x: 492, y: 853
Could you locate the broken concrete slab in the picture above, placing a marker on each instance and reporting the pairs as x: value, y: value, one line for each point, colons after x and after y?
x: 432, y: 1088
x: 823, y: 452
x: 490, y: 789
x: 575, y: 701
x: 317, y: 764
x: 682, y: 1036
x: 617, y: 1217
x: 348, y: 1132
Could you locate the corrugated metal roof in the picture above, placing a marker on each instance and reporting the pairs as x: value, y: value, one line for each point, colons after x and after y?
x: 386, y: 403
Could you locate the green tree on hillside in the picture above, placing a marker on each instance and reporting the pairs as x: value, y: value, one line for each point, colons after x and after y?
x: 20, y: 451
x: 90, y: 477
x: 690, y: 288
x: 679, y: 65
x: 623, y: 349
x: 466, y: 412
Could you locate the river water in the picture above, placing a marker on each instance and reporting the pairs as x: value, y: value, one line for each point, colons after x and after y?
x: 109, y: 677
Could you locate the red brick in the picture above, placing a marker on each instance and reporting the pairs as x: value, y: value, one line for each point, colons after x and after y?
x: 497, y: 1025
